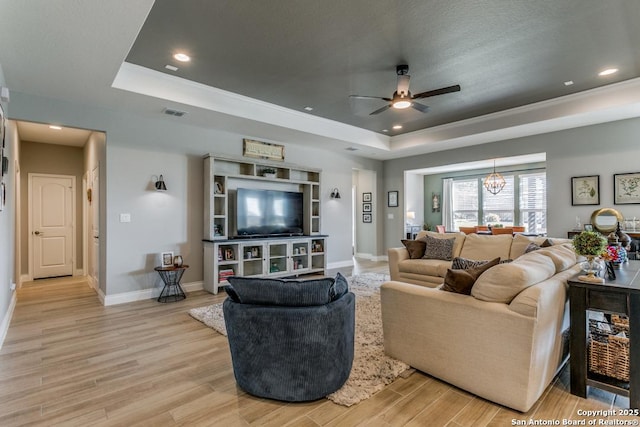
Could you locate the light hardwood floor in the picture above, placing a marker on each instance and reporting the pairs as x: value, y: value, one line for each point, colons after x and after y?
x: 69, y: 361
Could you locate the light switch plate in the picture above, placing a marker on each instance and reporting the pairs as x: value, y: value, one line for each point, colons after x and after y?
x: 125, y: 217
x: 389, y: 216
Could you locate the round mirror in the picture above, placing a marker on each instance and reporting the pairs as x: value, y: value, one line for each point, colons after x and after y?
x: 606, y: 220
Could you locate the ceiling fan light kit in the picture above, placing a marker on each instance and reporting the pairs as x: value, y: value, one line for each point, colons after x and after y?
x: 402, y: 97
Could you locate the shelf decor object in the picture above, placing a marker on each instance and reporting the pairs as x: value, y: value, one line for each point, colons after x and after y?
x: 591, y: 245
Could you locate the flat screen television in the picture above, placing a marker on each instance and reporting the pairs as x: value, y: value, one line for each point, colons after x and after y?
x: 268, y: 213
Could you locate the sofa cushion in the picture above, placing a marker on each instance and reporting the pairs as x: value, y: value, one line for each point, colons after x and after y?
x: 283, y: 292
x: 478, y: 246
x: 438, y: 248
x: 460, y: 263
x: 415, y: 248
x: 428, y: 267
x: 563, y: 256
x: 461, y: 281
x: 519, y: 244
x: 503, y: 282
x: 458, y: 242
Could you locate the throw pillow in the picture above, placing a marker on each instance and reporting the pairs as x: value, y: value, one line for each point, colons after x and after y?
x: 531, y: 247
x: 438, y: 248
x: 463, y: 263
x: 546, y: 243
x: 293, y: 293
x: 415, y: 248
x: 461, y: 281
x: 340, y: 287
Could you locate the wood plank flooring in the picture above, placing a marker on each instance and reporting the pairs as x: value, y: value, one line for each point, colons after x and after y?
x: 67, y: 360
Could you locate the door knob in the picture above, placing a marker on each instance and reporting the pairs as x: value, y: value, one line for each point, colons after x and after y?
x: 37, y: 233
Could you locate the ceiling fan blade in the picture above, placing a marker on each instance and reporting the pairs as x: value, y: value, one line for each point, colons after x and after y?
x: 441, y: 91
x: 369, y: 97
x: 419, y: 107
x: 380, y: 110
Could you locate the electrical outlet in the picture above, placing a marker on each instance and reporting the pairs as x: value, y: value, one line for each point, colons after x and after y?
x: 12, y: 286
x: 125, y: 217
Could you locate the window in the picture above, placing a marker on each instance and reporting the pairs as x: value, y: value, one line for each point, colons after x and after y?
x: 533, y: 202
x: 523, y: 201
x: 464, y: 194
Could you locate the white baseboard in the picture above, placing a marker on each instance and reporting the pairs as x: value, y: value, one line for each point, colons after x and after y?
x: 25, y: 278
x: 143, y: 294
x: 79, y: 272
x: 6, y: 321
x: 372, y: 257
x: 339, y: 264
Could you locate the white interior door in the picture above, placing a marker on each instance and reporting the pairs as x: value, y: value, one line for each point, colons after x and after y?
x: 51, y: 209
x: 94, y: 268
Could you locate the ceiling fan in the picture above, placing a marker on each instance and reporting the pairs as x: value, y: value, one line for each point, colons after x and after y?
x: 402, y: 98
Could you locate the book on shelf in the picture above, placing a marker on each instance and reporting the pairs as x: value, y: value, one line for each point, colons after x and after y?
x: 225, y: 273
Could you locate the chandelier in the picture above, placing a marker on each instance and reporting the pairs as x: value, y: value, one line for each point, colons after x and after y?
x: 494, y: 182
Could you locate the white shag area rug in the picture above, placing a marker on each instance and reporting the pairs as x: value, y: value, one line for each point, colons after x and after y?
x: 372, y: 369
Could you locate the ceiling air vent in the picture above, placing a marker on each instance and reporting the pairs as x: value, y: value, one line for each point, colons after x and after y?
x: 351, y: 149
x: 172, y: 112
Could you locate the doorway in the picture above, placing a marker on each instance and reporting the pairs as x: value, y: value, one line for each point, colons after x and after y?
x: 51, y: 211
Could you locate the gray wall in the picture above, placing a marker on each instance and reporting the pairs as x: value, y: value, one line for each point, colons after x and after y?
x: 603, y: 149
x: 7, y: 227
x: 138, y: 147
x: 49, y: 159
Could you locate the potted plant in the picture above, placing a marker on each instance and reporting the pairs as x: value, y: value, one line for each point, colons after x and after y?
x: 591, y: 245
x: 269, y: 172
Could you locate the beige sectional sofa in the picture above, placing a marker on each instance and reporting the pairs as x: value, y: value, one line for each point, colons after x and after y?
x: 505, y: 341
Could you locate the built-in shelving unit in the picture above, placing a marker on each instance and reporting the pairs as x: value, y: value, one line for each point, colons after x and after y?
x: 268, y: 257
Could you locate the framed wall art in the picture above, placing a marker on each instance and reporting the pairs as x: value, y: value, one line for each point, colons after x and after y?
x: 392, y: 199
x: 626, y: 188
x: 167, y: 259
x: 367, y: 217
x: 366, y: 207
x: 366, y: 197
x: 435, y: 202
x: 585, y: 190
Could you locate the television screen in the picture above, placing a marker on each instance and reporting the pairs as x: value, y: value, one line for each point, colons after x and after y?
x: 268, y: 213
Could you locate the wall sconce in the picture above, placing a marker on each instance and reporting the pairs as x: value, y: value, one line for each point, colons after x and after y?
x: 335, y: 194
x: 159, y: 184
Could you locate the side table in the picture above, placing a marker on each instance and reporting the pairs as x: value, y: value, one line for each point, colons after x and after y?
x: 172, y: 291
x: 619, y: 296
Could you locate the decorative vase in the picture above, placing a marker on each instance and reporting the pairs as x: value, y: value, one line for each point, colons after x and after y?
x: 591, y: 266
x: 177, y: 261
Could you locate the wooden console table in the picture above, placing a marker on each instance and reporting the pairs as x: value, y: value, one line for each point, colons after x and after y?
x: 619, y: 296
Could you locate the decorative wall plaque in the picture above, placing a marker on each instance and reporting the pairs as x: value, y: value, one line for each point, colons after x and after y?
x: 262, y: 150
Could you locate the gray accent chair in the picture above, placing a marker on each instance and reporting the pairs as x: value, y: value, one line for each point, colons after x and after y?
x: 290, y: 340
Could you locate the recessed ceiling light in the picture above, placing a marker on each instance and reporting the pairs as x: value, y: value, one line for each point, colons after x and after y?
x: 608, y: 72
x: 171, y: 67
x: 396, y: 127
x: 54, y: 127
x: 568, y: 83
x: 308, y: 108
x: 182, y: 57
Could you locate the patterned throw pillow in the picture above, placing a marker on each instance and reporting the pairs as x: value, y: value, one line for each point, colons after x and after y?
x: 464, y: 263
x: 531, y: 247
x: 438, y: 248
x: 415, y: 248
x: 546, y: 243
x: 461, y: 281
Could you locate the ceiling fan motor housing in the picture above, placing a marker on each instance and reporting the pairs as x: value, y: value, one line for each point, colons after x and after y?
x: 402, y: 69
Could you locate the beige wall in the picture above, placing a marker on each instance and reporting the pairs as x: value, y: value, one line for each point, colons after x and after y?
x: 52, y: 159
